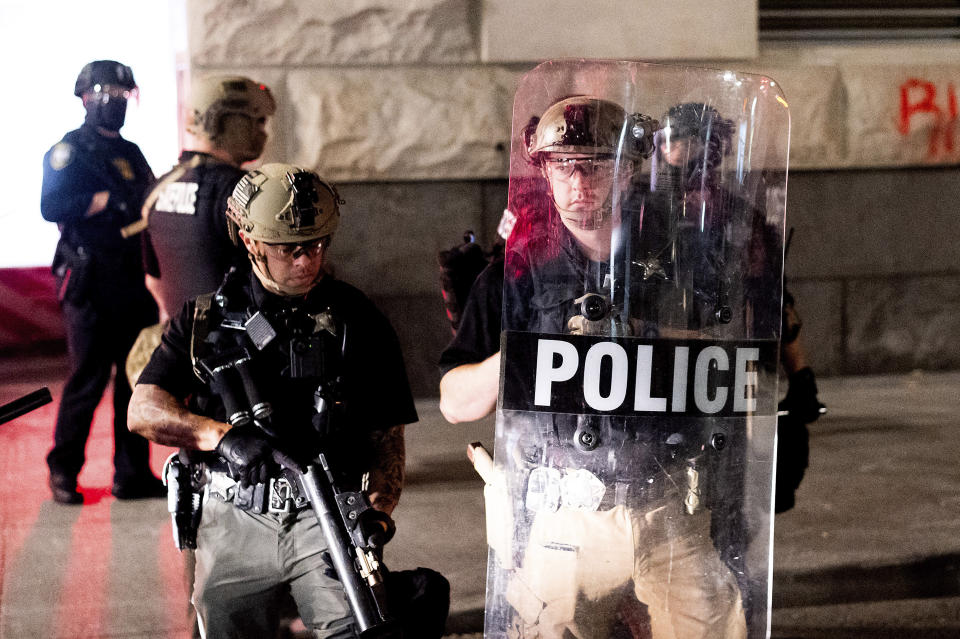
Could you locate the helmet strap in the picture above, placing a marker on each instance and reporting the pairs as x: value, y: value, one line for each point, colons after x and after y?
x: 587, y: 221
x: 262, y: 271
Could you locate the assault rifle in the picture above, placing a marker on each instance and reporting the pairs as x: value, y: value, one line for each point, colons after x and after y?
x: 340, y: 513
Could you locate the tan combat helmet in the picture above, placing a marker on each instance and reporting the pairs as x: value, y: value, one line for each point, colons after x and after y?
x: 283, y: 203
x: 589, y: 124
x: 213, y: 97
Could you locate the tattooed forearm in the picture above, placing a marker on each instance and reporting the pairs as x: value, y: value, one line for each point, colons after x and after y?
x: 160, y: 417
x: 386, y: 475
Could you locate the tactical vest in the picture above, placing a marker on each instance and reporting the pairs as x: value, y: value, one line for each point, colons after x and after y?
x: 278, y: 368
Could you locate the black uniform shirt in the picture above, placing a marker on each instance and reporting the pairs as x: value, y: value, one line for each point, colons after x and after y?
x: 478, y: 336
x: 374, y: 389
x: 186, y: 245
x: 548, y: 272
x: 84, y: 163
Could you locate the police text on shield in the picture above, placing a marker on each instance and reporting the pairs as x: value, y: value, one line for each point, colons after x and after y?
x: 632, y: 376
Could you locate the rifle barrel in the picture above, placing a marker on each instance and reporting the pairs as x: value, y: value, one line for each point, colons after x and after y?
x: 367, y: 614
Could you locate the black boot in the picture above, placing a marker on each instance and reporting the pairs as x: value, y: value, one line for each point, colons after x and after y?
x: 145, y: 487
x: 64, y: 489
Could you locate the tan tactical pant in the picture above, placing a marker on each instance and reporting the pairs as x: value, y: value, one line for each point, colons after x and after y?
x: 578, y: 564
x: 245, y: 562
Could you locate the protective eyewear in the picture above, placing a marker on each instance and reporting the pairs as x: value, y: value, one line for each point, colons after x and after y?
x: 293, y: 250
x: 106, y: 92
x: 589, y: 167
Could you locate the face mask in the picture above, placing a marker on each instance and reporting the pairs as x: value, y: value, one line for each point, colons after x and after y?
x: 109, y: 115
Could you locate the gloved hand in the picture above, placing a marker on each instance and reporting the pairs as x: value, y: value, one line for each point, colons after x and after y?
x: 249, y: 453
x: 801, y: 399
x: 595, y: 316
x: 377, y: 527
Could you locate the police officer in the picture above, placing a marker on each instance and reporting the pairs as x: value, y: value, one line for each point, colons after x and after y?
x: 470, y: 364
x: 190, y: 244
x: 580, y: 205
x: 691, y: 146
x: 310, y: 340
x: 94, y: 183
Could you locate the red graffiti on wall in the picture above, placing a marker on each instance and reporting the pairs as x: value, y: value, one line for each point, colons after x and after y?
x: 920, y: 96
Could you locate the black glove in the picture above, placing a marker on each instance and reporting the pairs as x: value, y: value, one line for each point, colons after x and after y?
x: 801, y: 400
x: 459, y: 267
x: 249, y: 453
x: 377, y: 527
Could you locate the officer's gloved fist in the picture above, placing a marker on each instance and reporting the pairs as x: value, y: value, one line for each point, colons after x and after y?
x: 249, y: 453
x: 377, y: 527
x: 801, y: 399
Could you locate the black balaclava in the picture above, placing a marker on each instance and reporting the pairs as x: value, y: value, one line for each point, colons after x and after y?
x: 104, y: 110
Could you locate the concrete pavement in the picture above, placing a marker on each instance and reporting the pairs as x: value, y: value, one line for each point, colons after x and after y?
x: 872, y: 548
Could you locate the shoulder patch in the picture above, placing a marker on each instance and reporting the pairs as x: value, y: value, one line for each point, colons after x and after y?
x: 123, y: 166
x: 61, y: 155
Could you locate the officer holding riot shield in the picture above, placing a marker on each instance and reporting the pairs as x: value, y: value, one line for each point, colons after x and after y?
x: 567, y: 276
x: 94, y: 182
x: 629, y: 494
x: 286, y: 369
x: 190, y: 244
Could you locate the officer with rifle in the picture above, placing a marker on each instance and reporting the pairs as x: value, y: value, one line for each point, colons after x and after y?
x: 94, y: 183
x: 189, y: 244
x: 288, y: 388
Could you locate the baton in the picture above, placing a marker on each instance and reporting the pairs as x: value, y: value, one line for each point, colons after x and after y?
x: 25, y: 404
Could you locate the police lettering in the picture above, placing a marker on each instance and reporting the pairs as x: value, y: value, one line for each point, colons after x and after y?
x: 178, y: 197
x: 724, y: 377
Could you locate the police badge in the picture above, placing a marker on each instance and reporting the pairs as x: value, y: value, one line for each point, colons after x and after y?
x: 60, y: 156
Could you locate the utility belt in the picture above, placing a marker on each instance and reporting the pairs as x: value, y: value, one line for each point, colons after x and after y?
x: 72, y: 270
x: 188, y: 484
x: 278, y: 496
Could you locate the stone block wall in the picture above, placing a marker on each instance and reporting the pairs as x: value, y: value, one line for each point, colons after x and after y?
x: 873, y: 264
x: 407, y: 108
x: 387, y: 245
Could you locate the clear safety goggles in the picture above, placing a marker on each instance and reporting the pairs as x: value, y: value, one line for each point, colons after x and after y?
x: 107, y: 92
x: 293, y: 250
x: 564, y: 167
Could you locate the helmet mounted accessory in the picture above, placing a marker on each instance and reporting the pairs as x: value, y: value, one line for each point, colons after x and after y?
x: 283, y: 204
x: 593, y: 129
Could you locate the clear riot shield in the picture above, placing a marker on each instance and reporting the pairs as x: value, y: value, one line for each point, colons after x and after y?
x: 636, y: 422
